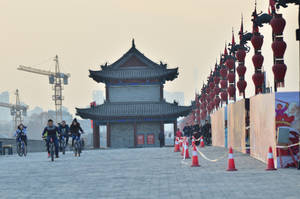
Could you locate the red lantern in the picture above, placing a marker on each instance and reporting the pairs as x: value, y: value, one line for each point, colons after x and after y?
x: 230, y: 62
x: 223, y: 84
x: 216, y: 80
x: 223, y: 72
x: 217, y: 101
x: 224, y: 96
x: 211, y: 85
x: 279, y: 71
x: 258, y: 79
x: 241, y: 70
x: 257, y: 41
x: 240, y: 55
x: 279, y: 47
x: 241, y: 84
x: 258, y: 60
x: 231, y: 91
x: 217, y: 90
x: 231, y: 77
x: 278, y: 24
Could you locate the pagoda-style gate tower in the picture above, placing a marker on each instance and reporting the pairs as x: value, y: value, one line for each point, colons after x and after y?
x: 135, y: 110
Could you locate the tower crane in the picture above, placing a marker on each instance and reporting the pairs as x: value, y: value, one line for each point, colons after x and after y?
x: 17, y: 110
x: 57, y: 79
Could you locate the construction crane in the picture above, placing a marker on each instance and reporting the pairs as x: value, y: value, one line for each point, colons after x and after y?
x: 57, y: 79
x: 16, y: 110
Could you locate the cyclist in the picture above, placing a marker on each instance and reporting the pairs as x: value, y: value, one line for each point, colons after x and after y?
x: 74, y: 129
x: 51, y: 131
x: 21, y: 133
x: 64, y: 131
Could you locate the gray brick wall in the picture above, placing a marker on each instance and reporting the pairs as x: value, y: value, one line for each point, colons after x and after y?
x: 149, y: 128
x: 33, y: 145
x: 122, y: 135
x: 129, y: 93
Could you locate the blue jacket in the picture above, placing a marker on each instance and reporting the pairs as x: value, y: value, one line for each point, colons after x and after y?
x: 19, y: 131
x: 64, y: 130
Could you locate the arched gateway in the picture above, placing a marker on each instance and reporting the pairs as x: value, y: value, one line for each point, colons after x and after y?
x: 135, y: 110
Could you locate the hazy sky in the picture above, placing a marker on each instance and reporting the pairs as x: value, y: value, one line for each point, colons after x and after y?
x: 187, y: 34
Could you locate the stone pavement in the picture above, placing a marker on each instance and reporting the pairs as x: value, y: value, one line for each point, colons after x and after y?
x: 142, y: 173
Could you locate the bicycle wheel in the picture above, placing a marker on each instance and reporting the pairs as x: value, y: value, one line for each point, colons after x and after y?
x: 19, y: 150
x: 63, y: 148
x: 75, y: 148
x: 52, y: 151
x: 24, y: 148
x: 79, y: 149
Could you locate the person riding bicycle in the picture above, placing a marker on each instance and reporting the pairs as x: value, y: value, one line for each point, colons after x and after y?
x: 21, y: 134
x: 64, y: 131
x: 74, y: 129
x: 51, y: 131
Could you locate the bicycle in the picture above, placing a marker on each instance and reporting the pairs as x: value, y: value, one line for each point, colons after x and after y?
x: 51, y: 148
x: 62, y: 145
x: 21, y: 146
x: 77, y: 146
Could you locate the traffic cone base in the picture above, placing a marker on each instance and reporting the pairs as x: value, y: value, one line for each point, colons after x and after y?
x: 195, y: 162
x: 176, y: 148
x: 270, y: 166
x: 186, y: 147
x: 231, y: 165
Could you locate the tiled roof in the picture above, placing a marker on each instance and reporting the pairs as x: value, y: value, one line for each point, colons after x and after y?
x: 123, y: 110
x: 134, y: 65
x: 131, y: 74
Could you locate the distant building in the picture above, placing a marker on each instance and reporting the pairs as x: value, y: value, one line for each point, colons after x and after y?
x: 177, y: 96
x: 5, y: 112
x: 36, y: 110
x: 98, y: 96
x: 134, y: 111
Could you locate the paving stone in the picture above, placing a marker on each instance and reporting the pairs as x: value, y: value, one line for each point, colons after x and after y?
x: 142, y: 173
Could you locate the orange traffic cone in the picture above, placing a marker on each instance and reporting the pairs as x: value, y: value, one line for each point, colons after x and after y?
x: 176, y: 148
x: 195, y: 162
x: 270, y: 166
x: 186, y: 146
x: 231, y: 165
x: 180, y: 142
x: 182, y: 146
x: 193, y: 141
x: 201, y: 142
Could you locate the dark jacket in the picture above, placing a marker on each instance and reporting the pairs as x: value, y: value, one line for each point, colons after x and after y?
x: 50, y: 131
x: 64, y: 130
x: 74, y: 129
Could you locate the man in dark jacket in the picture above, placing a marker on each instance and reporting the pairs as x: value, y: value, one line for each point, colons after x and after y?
x: 74, y: 129
x: 186, y: 130
x: 51, y: 132
x: 161, y: 138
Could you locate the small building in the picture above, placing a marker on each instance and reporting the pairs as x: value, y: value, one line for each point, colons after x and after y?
x: 134, y: 111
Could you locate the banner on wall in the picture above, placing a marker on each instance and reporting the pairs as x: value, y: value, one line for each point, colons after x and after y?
x: 287, y: 109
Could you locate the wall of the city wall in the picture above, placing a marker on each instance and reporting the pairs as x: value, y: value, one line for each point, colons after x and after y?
x: 218, y: 127
x: 146, y: 129
x: 33, y: 145
x: 122, y: 135
x: 134, y: 93
x: 262, y: 125
x: 236, y: 125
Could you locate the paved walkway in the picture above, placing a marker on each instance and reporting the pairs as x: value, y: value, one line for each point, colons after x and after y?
x: 142, y: 173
